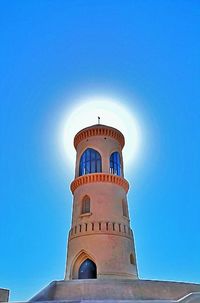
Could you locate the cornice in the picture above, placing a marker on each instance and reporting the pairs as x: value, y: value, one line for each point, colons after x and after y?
x: 99, y: 130
x: 99, y: 177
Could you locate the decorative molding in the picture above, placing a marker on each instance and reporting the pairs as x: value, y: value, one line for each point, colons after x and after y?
x: 91, y: 228
x: 99, y: 177
x: 99, y: 130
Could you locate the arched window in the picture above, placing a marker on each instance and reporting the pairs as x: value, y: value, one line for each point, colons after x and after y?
x: 87, y: 270
x: 125, y: 208
x: 115, y: 164
x: 90, y: 162
x: 86, y: 205
x: 132, y: 261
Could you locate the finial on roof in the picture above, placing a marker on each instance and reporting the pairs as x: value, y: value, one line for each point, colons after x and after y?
x: 98, y: 120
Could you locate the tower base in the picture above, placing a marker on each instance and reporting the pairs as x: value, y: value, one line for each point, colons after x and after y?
x: 125, y: 291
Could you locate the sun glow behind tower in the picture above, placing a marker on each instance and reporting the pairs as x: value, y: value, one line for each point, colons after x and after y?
x: 112, y: 112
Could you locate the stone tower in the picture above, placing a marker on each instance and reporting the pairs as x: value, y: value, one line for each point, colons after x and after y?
x: 101, y: 262
x: 100, y: 243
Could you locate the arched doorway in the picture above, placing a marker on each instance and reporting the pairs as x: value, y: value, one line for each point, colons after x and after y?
x: 87, y: 270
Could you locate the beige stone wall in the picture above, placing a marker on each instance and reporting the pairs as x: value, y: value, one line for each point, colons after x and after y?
x: 106, y: 203
x: 122, y: 290
x: 111, y: 254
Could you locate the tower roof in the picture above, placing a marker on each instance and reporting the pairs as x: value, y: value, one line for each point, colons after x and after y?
x: 99, y: 130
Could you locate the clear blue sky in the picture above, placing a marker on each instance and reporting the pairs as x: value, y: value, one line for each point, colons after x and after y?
x: 50, y: 48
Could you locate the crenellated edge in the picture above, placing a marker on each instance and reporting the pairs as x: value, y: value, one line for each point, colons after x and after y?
x: 101, y: 227
x: 99, y: 177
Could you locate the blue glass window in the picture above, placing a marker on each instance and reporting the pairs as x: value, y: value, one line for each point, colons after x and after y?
x: 87, y: 270
x: 115, y: 164
x: 90, y: 162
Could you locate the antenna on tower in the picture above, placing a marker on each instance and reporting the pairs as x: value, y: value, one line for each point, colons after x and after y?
x: 98, y: 120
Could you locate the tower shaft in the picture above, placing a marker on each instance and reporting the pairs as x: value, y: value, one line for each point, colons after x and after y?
x: 100, y: 243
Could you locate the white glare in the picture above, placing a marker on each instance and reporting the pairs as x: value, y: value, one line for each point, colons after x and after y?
x: 112, y: 113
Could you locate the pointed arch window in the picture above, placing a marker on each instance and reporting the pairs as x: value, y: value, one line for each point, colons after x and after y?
x: 125, y: 208
x: 90, y: 162
x: 132, y: 261
x: 115, y: 164
x: 86, y: 205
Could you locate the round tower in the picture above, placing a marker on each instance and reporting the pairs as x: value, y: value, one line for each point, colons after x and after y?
x: 100, y: 243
